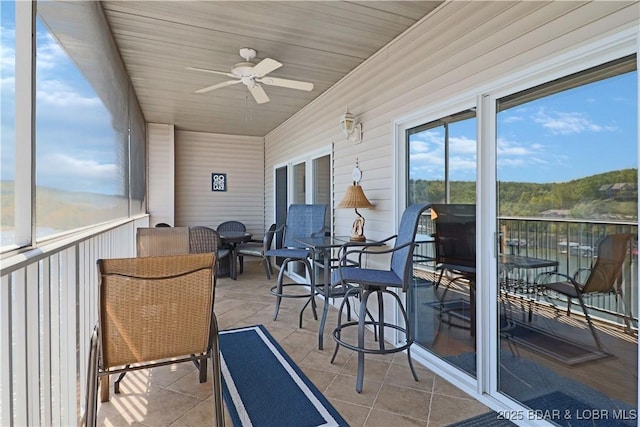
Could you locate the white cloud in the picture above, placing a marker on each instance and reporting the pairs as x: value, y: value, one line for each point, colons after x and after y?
x: 427, y: 154
x: 512, y: 148
x: 7, y: 61
x: 64, y: 164
x: 49, y: 53
x: 459, y: 164
x: 462, y: 145
x: 516, y: 154
x: 511, y: 119
x: 58, y: 94
x: 565, y: 123
x: 74, y: 174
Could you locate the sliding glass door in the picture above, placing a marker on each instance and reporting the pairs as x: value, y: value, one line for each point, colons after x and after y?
x: 305, y: 180
x: 567, y: 206
x: 546, y: 321
x: 441, y: 169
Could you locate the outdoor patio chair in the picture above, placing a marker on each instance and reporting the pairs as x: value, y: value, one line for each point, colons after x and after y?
x: 455, y: 255
x: 258, y: 248
x: 231, y: 226
x: 604, y: 277
x: 302, y: 221
x: 162, y: 241
x: 207, y: 240
x: 363, y: 282
x: 153, y: 311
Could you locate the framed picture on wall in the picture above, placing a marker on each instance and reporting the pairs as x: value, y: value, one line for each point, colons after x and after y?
x: 218, y: 181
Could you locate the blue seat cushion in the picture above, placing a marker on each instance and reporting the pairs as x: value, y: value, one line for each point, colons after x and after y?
x: 223, y: 252
x: 367, y: 276
x: 289, y: 253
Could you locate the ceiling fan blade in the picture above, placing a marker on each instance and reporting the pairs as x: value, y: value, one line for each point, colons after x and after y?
x: 217, y: 86
x: 293, y: 84
x: 258, y: 93
x: 264, y: 67
x: 204, y: 70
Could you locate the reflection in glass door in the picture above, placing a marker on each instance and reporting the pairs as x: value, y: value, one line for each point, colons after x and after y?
x: 281, y: 198
x: 322, y: 185
x: 567, y: 190
x: 442, y: 170
x: 298, y: 183
x: 309, y: 182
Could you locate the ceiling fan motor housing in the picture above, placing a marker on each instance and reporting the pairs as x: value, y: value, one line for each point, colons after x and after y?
x: 242, y: 69
x: 247, y: 53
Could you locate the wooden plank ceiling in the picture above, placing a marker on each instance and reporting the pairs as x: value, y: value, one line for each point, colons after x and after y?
x: 317, y: 41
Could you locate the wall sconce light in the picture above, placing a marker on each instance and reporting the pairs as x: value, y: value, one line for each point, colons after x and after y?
x: 352, y: 131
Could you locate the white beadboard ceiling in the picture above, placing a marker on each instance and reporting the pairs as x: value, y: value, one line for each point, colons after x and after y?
x: 317, y: 41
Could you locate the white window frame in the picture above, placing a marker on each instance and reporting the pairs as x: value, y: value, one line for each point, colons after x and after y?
x: 615, y: 46
x: 308, y: 160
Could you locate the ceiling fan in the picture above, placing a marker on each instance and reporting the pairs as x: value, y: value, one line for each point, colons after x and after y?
x: 251, y: 74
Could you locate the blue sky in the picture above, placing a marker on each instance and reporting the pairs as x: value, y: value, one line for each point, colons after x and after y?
x: 576, y: 133
x: 76, y: 147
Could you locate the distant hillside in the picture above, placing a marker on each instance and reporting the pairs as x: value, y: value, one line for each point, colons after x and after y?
x: 59, y: 210
x: 610, y: 195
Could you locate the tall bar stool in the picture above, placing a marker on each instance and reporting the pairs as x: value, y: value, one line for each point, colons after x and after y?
x: 302, y: 221
x: 367, y: 281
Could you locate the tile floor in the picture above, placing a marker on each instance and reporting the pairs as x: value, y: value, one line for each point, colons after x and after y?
x: 172, y: 395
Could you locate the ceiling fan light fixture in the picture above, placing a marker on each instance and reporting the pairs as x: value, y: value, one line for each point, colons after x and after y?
x: 250, y: 74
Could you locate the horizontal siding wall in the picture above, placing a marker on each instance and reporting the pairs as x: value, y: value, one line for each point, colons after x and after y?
x: 198, y: 155
x: 460, y: 48
x: 161, y: 181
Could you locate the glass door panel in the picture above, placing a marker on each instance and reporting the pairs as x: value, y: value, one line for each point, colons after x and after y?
x: 322, y: 185
x: 322, y: 195
x: 298, y: 183
x: 442, y: 170
x: 298, y: 196
x: 567, y: 182
x: 281, y: 206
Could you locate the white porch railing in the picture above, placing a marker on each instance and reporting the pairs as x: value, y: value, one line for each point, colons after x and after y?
x: 48, y: 307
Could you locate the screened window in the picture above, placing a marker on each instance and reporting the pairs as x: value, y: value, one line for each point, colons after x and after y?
x: 89, y: 149
x: 7, y: 116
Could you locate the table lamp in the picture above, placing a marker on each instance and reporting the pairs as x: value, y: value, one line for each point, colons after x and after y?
x: 355, y: 198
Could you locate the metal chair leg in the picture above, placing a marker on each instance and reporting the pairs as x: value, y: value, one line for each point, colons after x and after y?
x: 91, y: 405
x: 361, y: 329
x: 216, y: 377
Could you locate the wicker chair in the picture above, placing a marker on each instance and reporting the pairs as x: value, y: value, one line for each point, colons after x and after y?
x: 231, y: 226
x: 153, y: 311
x: 162, y: 241
x: 207, y: 240
x: 235, y: 227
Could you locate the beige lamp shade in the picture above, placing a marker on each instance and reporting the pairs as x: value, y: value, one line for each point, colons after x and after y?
x: 355, y: 198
